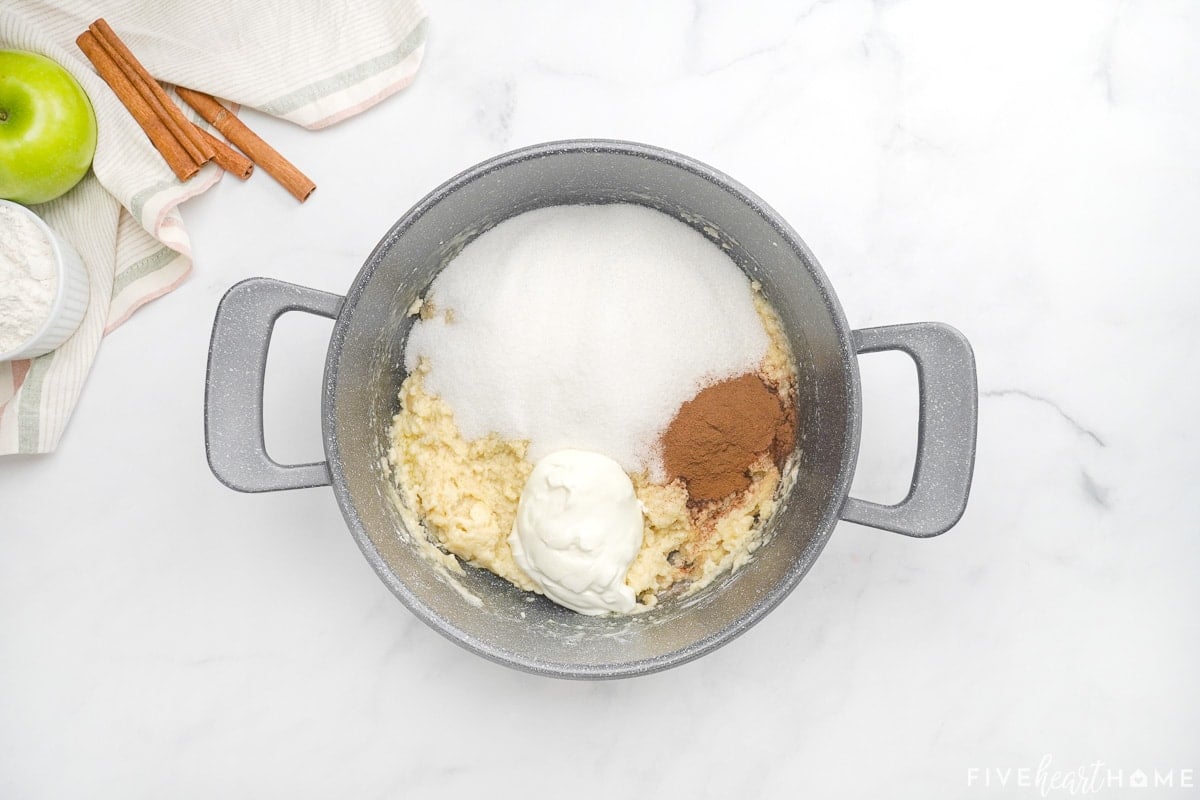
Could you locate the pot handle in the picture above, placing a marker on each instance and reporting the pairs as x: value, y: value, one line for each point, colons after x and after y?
x: 949, y: 413
x: 233, y: 388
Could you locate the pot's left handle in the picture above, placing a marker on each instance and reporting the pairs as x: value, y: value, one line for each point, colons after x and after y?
x: 233, y: 391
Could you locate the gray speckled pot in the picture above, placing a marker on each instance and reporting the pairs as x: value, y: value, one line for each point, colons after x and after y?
x: 364, y: 370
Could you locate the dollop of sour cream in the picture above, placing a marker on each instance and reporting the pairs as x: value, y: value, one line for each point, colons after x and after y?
x: 578, y: 529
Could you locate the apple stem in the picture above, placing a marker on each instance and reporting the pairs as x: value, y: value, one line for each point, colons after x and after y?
x: 3, y: 115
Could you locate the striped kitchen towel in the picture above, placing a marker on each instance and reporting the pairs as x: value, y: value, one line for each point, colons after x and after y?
x: 313, y: 62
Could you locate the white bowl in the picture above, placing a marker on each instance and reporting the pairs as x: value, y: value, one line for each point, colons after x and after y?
x: 70, y: 298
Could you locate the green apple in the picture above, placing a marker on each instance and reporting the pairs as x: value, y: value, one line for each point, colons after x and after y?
x: 47, y: 128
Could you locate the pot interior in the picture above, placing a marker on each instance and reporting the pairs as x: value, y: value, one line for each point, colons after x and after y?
x: 366, y: 367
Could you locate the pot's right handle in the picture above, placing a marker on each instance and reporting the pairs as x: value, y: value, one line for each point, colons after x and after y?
x: 233, y: 390
x: 949, y: 413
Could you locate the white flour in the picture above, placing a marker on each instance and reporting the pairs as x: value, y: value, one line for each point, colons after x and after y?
x: 28, y: 278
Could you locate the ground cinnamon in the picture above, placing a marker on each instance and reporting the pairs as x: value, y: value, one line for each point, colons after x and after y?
x: 722, y: 431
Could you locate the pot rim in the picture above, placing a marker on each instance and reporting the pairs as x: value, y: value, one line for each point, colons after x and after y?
x: 841, y: 482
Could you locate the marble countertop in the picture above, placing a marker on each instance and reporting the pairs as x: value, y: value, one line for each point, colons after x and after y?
x: 1028, y: 172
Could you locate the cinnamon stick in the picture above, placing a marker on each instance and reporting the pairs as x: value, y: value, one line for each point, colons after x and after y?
x: 187, y: 134
x: 177, y: 158
x: 246, y: 140
x: 227, y: 158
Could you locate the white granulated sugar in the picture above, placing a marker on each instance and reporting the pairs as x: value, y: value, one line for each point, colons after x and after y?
x: 28, y: 278
x: 585, y: 327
